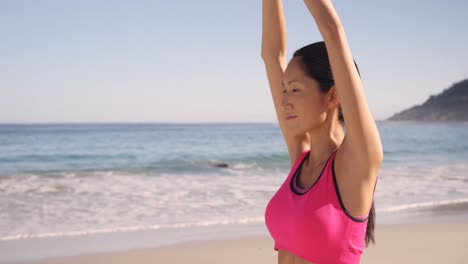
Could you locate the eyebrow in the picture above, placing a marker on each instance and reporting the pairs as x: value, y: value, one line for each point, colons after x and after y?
x: 296, y: 80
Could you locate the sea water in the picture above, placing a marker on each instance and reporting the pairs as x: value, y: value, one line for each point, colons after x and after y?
x: 179, y: 182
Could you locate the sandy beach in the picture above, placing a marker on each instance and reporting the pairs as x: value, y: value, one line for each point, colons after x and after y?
x: 415, y: 243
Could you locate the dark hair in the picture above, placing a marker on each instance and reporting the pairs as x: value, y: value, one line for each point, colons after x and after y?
x: 317, y: 65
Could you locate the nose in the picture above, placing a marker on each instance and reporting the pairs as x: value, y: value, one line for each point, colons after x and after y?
x: 285, y: 104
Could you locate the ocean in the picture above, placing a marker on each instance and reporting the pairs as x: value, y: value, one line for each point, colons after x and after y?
x: 156, y: 184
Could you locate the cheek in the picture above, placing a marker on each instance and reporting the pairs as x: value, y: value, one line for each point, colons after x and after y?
x: 313, y: 112
x: 309, y: 104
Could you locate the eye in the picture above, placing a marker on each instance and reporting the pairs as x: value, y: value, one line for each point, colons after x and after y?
x: 295, y: 90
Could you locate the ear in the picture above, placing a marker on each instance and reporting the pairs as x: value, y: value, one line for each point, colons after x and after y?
x: 333, y: 100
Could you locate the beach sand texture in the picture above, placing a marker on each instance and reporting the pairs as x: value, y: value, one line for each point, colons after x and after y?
x: 416, y: 243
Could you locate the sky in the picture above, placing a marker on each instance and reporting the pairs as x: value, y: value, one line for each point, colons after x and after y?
x: 199, y: 61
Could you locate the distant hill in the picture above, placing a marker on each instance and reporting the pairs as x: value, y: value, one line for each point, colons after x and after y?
x: 450, y: 105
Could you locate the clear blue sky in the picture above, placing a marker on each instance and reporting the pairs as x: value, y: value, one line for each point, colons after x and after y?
x: 199, y: 61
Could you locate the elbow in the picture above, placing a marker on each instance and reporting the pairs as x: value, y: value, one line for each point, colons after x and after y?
x: 266, y: 55
x: 272, y: 56
x: 273, y: 48
x: 269, y: 53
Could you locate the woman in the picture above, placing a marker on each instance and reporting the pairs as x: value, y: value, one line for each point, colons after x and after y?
x: 324, y: 210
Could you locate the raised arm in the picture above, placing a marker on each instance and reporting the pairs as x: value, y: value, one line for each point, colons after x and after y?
x: 273, y: 30
x: 274, y: 56
x: 362, y: 140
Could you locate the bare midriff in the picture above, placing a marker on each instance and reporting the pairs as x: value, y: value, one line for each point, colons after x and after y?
x: 286, y: 257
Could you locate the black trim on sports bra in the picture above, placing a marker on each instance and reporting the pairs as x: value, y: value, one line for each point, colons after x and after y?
x: 298, y: 170
x: 341, y: 202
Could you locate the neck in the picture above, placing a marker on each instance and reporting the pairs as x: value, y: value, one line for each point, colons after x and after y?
x: 324, y: 140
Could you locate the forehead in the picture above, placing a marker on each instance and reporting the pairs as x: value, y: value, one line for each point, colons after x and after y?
x: 293, y: 71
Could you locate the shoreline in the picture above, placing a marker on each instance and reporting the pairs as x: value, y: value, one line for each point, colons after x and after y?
x: 395, y: 243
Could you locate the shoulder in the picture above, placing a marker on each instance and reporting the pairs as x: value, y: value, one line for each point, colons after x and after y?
x: 355, y: 182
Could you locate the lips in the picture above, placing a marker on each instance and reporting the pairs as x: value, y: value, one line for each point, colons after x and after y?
x: 290, y: 117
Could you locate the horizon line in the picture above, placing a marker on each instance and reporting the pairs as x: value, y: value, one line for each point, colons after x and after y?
x: 146, y: 122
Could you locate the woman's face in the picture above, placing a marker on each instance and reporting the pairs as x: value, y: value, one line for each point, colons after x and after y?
x: 303, y: 106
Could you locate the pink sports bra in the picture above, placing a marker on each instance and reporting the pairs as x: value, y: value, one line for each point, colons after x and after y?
x: 313, y: 223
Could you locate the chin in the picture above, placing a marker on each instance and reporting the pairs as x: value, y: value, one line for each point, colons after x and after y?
x: 296, y: 129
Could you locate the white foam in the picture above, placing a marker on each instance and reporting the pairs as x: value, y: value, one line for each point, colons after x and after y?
x: 114, y: 201
x: 255, y: 220
x: 244, y: 166
x: 58, y: 206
